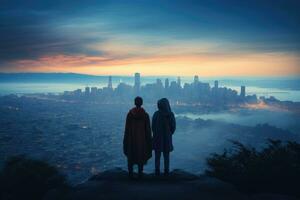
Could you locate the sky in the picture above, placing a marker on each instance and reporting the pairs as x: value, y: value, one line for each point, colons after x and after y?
x: 153, y: 37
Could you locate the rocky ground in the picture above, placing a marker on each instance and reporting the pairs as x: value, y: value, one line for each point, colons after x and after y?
x: 115, y: 184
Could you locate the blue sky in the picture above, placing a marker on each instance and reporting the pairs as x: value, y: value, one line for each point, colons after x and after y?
x: 108, y: 35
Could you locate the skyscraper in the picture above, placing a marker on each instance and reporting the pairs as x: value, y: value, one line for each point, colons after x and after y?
x: 216, y: 84
x: 167, y: 84
x: 243, y: 91
x: 109, y: 82
x: 159, y: 82
x: 137, y: 82
x: 196, y: 79
x: 87, y: 91
x: 94, y: 91
x: 179, y: 81
x: 77, y: 92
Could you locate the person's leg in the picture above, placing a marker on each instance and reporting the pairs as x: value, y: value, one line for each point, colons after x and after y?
x: 157, y: 162
x: 167, y: 162
x: 141, y: 168
x: 130, y: 168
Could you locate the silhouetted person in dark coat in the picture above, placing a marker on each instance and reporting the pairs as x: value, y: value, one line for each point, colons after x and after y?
x: 163, y: 127
x: 137, y: 144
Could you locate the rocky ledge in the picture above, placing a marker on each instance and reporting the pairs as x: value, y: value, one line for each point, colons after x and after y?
x: 179, y: 185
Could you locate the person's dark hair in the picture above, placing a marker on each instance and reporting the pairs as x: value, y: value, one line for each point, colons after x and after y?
x: 138, y: 101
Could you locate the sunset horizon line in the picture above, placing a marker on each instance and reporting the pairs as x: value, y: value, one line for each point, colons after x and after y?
x: 154, y: 75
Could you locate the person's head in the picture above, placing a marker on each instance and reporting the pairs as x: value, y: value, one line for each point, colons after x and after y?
x: 164, y: 105
x: 138, y: 102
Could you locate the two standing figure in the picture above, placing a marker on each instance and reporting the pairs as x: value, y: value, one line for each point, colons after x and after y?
x: 138, y: 141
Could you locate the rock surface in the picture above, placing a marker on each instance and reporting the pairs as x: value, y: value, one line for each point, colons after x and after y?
x: 179, y: 185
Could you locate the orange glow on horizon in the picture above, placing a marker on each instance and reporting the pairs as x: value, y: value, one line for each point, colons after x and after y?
x: 267, y: 64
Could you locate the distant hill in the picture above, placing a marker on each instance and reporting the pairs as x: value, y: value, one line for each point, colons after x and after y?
x: 48, y: 77
x: 291, y: 82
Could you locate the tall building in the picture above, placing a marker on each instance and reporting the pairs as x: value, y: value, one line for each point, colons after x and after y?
x: 243, y: 91
x: 77, y: 92
x: 137, y: 82
x: 87, y: 91
x: 109, y: 82
x: 159, y: 82
x: 179, y: 81
x: 216, y: 84
x: 167, y: 84
x: 94, y: 91
x: 196, y: 79
x: 173, y: 85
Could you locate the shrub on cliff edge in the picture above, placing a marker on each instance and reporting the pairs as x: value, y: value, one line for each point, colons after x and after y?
x: 276, y: 168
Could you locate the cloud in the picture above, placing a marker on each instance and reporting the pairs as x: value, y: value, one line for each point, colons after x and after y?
x: 123, y: 31
x: 26, y: 35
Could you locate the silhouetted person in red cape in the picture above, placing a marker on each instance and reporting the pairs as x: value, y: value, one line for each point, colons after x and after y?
x: 137, y: 144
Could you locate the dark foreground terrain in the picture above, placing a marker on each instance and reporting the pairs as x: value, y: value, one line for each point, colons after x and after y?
x: 114, y: 184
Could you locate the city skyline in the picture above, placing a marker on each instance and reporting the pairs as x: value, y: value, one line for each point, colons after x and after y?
x: 209, y: 38
x: 187, y: 93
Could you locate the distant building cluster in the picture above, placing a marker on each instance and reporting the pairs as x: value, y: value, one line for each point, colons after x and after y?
x: 196, y: 92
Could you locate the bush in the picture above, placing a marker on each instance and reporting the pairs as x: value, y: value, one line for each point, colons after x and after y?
x: 275, y: 168
x: 24, y: 178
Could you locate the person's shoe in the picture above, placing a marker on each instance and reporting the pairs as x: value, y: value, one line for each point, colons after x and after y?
x: 157, y: 172
x: 166, y: 172
x: 130, y: 175
x: 141, y: 174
